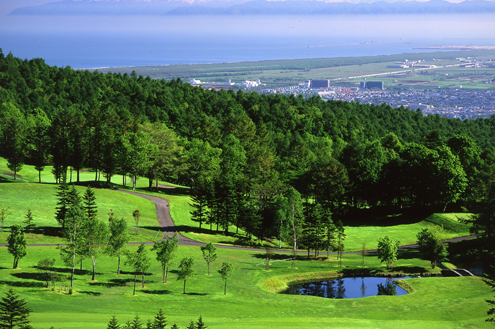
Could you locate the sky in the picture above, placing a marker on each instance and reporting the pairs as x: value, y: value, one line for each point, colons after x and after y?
x: 6, y: 6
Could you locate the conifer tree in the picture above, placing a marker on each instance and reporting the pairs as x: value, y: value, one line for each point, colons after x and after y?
x: 90, y: 207
x: 160, y: 321
x: 13, y: 311
x: 30, y: 225
x: 113, y: 324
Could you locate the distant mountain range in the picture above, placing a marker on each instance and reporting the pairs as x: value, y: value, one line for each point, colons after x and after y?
x: 253, y: 7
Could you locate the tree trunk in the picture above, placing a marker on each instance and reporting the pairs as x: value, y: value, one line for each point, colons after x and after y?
x: 166, y: 272
x: 184, y: 287
x: 73, y: 269
x: 133, y: 182
x: 225, y: 288
x: 135, y: 275
x: 93, y: 260
x: 118, y: 265
x: 77, y: 175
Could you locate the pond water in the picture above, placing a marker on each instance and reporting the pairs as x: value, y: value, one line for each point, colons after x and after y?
x: 352, y: 287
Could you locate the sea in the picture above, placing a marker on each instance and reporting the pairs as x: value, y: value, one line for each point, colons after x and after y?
x: 110, y: 41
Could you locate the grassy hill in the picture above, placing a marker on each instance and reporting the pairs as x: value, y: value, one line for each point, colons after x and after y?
x: 252, y: 300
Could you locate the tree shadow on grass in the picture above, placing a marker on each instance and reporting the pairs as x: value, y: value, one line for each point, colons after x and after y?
x: 157, y: 292
x: 411, y: 269
x: 91, y: 293
x: 112, y: 283
x: 22, y: 284
x: 195, y: 294
x: 409, y: 254
x: 49, y: 231
x: 29, y: 276
x: 276, y: 256
x: 179, y: 191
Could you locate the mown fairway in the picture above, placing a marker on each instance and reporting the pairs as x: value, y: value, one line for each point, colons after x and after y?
x: 436, y: 302
x: 252, y: 300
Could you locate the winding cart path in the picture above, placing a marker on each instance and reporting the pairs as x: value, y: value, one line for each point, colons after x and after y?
x: 168, y: 228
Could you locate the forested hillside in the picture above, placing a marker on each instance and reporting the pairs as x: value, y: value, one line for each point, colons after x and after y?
x: 261, y: 163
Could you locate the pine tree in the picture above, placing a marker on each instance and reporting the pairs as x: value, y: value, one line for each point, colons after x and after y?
x: 113, y: 324
x: 200, y: 324
x: 29, y: 222
x: 136, y: 323
x: 13, y: 311
x: 160, y: 322
x: 63, y: 203
x: 90, y: 206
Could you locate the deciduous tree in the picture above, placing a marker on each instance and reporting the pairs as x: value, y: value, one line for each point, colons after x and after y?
x: 226, y: 273
x: 186, y: 270
x: 17, y: 243
x: 95, y: 239
x: 209, y: 254
x: 165, y: 252
x: 4, y: 213
x: 136, y: 214
x: 118, y: 239
x: 387, y: 251
x: 432, y: 246
x: 45, y: 267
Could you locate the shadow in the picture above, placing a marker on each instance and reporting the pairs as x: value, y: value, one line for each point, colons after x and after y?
x: 409, y: 254
x: 91, y: 293
x: 411, y: 269
x: 156, y: 292
x: 275, y: 256
x: 29, y: 276
x: 23, y: 284
x: 359, y: 272
x: 112, y: 284
x: 195, y: 294
x: 49, y: 231
x: 386, y: 216
x: 76, y: 272
x: 179, y: 191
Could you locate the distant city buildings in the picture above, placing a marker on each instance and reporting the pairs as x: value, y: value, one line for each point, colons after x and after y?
x: 371, y: 85
x: 317, y: 84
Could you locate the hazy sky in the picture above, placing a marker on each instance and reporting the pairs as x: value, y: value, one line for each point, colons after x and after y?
x: 6, y: 6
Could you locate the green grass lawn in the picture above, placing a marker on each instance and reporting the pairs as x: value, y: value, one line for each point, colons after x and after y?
x: 41, y: 199
x: 252, y: 300
x: 249, y: 303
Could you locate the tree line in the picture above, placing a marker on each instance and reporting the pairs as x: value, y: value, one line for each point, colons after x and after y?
x: 269, y: 165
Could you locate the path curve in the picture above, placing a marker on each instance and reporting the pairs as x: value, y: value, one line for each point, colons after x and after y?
x: 168, y: 227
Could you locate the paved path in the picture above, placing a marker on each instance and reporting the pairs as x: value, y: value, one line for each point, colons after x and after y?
x: 168, y: 228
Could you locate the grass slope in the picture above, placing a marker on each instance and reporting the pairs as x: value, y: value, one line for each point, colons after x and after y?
x: 435, y: 302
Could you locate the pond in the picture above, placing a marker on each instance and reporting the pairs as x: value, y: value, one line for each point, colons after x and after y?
x: 352, y: 287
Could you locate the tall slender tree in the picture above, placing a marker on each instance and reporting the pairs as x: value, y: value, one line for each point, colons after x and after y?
x: 17, y: 244
x: 165, y: 250
x: 209, y: 254
x: 186, y: 270
x: 119, y: 238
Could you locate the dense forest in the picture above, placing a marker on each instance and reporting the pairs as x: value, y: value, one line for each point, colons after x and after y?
x: 270, y: 165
